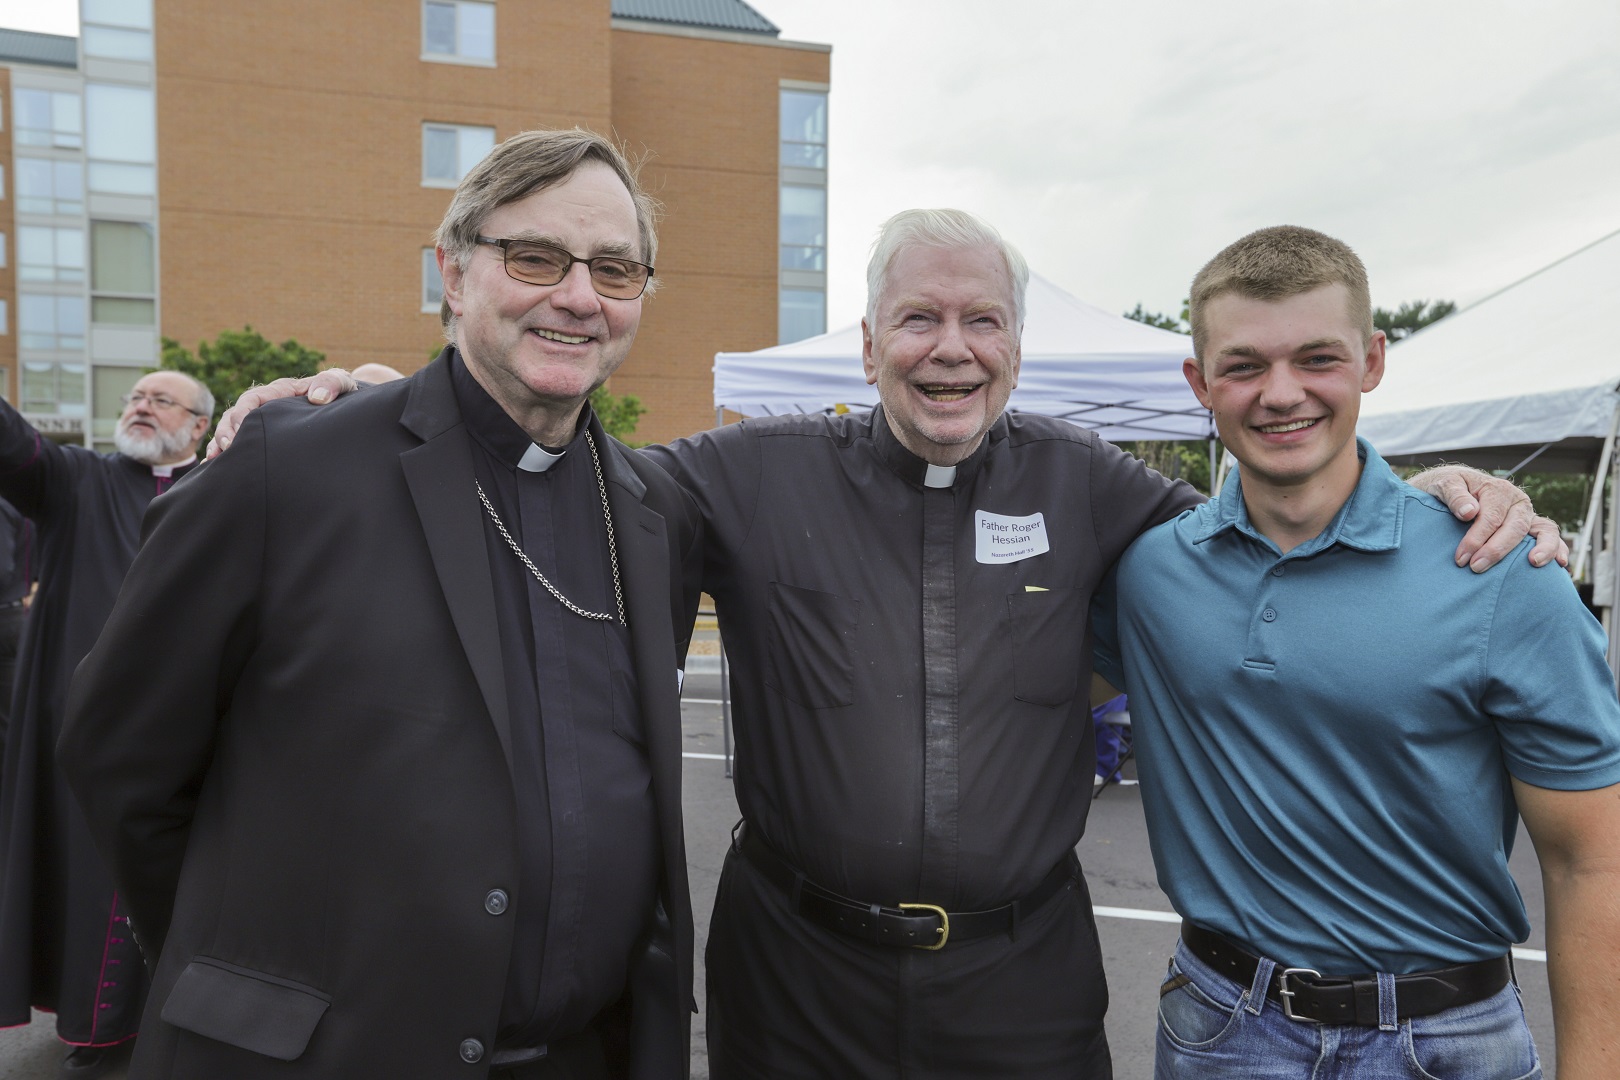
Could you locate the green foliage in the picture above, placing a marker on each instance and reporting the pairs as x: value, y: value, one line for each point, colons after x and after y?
x: 1188, y: 461
x: 237, y: 360
x: 1560, y: 496
x: 619, y: 413
x: 1410, y: 317
x: 1163, y: 322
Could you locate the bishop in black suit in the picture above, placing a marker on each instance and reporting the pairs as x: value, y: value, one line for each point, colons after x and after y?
x: 407, y: 802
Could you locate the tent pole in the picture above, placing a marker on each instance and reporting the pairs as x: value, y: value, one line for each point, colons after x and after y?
x: 1610, y: 621
x: 1214, y: 464
x: 1590, y: 538
x: 725, y: 674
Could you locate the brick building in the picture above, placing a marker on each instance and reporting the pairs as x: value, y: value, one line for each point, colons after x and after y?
x: 186, y: 167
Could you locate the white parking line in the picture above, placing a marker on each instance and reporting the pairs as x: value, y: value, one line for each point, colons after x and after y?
x: 705, y: 757
x: 700, y: 701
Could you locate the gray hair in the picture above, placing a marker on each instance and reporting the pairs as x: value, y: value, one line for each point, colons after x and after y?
x: 528, y: 162
x: 940, y: 228
x: 205, y: 399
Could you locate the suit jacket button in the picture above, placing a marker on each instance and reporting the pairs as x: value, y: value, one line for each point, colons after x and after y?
x: 495, y: 903
x: 472, y: 1051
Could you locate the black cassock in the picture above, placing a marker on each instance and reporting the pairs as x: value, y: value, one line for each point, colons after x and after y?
x: 64, y: 941
x: 910, y: 673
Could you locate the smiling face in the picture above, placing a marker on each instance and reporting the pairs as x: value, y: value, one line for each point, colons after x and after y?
x: 539, y: 350
x: 942, y: 348
x: 1284, y: 380
x: 156, y: 435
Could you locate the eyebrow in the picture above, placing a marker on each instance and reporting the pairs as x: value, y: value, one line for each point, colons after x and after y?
x: 1309, y: 346
x: 613, y: 249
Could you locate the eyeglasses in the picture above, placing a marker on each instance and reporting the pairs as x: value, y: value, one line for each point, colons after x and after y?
x: 535, y: 263
x: 161, y: 402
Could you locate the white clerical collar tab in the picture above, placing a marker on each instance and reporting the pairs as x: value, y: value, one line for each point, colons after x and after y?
x: 538, y: 459
x: 168, y: 470
x: 940, y: 476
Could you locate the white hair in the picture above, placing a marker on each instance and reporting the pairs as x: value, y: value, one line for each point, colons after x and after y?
x: 944, y: 228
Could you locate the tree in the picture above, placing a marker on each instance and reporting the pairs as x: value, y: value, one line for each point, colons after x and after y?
x: 237, y: 360
x: 1410, y: 317
x: 1163, y: 322
x: 619, y: 413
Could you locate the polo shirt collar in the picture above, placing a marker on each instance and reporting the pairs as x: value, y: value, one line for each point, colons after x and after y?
x: 1370, y: 520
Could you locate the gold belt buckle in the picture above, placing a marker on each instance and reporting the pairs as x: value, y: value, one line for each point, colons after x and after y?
x: 944, y: 924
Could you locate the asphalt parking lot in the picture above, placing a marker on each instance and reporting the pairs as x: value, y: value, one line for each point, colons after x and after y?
x: 1137, y: 929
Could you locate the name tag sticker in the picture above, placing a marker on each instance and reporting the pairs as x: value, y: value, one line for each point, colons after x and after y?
x: 1003, y: 539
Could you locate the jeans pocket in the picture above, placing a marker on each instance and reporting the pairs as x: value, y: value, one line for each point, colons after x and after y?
x: 1488, y: 1040
x: 1191, y: 1018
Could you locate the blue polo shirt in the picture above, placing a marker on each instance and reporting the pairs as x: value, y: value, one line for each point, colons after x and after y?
x: 1326, y: 737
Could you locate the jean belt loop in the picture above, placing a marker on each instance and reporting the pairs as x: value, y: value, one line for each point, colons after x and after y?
x: 1386, y: 1002
x: 1262, y: 982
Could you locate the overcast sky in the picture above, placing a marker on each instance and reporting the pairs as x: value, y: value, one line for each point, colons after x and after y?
x: 1457, y: 146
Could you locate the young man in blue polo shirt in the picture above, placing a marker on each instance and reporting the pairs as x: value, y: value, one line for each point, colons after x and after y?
x: 1338, y: 730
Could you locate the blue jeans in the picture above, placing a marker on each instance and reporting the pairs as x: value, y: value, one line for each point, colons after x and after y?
x: 1213, y: 1029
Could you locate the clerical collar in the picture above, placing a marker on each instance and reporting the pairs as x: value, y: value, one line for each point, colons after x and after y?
x: 538, y: 459
x: 497, y: 432
x: 913, y: 469
x: 168, y: 470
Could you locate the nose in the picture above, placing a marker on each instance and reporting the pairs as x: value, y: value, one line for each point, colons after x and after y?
x: 952, y: 346
x: 1282, y: 389
x: 575, y: 294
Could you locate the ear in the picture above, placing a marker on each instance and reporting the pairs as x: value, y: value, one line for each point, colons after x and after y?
x: 1375, y: 362
x: 452, y: 277
x: 1017, y: 358
x: 867, y: 362
x: 1193, y: 372
x: 199, y: 428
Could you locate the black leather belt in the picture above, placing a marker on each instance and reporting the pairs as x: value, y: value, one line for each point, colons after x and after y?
x: 918, y: 926
x: 1306, y: 995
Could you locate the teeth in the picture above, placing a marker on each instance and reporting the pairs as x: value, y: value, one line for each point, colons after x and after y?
x: 947, y: 393
x: 552, y: 335
x: 1278, y: 429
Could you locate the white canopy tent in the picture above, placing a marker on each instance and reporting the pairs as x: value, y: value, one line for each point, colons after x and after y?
x: 1114, y: 375
x: 1527, y: 378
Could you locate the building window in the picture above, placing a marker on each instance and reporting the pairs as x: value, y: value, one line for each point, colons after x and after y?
x: 47, y: 118
x: 2, y: 251
x: 51, y: 322
x: 801, y: 302
x: 122, y: 261
x: 450, y: 150
x: 115, y: 43
x: 49, y: 187
x: 5, y: 320
x: 804, y: 129
x: 121, y: 130
x: 50, y: 387
x: 432, y: 283
x: 108, y: 387
x: 804, y: 228
x: 49, y: 254
x: 458, y: 30
x: 801, y: 313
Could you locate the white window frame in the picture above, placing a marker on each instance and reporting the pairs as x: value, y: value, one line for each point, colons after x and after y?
x: 459, y: 130
x: 430, y: 266
x: 459, y: 57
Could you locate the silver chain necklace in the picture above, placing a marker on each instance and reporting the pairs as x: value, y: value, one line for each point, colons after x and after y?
x: 613, y: 548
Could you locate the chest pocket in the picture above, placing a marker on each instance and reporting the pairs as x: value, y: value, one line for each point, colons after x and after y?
x: 811, y: 647
x: 1047, y: 635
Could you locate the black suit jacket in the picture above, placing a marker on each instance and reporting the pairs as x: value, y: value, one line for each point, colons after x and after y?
x: 292, y: 744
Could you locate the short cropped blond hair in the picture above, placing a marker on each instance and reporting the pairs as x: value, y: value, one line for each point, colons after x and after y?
x: 1274, y: 263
